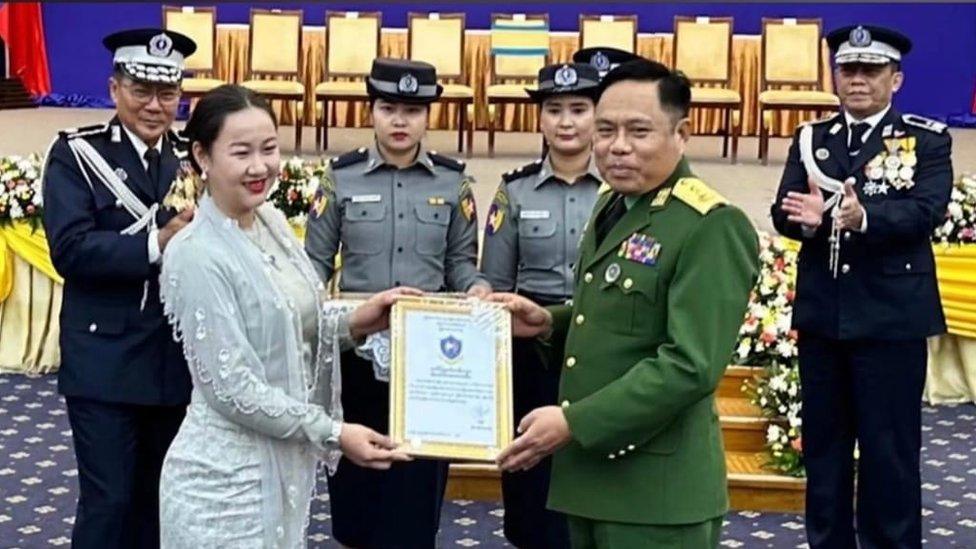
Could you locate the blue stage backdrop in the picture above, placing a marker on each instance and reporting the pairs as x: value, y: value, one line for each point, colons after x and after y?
x: 941, y: 70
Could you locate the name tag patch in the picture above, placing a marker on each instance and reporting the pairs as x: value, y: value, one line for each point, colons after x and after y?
x: 534, y: 214
x: 362, y: 198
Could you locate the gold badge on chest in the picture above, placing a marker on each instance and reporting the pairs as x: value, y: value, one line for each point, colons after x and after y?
x: 894, y: 167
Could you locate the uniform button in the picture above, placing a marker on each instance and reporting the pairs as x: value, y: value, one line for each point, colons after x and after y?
x: 397, y: 283
x: 118, y: 203
x: 847, y: 235
x: 572, y: 231
x: 399, y: 185
x: 630, y: 447
x: 908, y: 266
x: 93, y: 327
x: 612, y: 456
x: 628, y: 283
x: 588, y: 277
x: 564, y: 404
x: 622, y: 452
x: 436, y: 215
x: 400, y: 215
x: 362, y: 212
x: 572, y: 265
x: 535, y: 229
x: 845, y: 268
x: 580, y: 319
x: 400, y: 249
x: 572, y: 199
x: 570, y: 362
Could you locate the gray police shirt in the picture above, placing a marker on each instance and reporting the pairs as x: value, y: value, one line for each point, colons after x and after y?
x: 533, y: 230
x: 413, y: 226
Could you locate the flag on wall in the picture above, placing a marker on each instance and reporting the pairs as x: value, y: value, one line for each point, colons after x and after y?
x: 22, y: 30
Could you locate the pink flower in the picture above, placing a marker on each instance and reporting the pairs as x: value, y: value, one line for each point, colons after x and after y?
x: 30, y: 209
x: 797, y: 444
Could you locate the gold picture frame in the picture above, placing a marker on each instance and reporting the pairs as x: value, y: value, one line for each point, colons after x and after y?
x: 477, y: 446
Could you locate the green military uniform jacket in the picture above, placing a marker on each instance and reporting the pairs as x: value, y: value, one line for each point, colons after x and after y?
x: 655, y: 315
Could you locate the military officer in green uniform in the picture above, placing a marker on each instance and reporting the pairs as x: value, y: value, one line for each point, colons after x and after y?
x: 531, y: 245
x: 662, y: 283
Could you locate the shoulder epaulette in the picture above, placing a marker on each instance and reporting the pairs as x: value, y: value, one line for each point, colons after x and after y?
x: 350, y: 158
x: 695, y: 193
x: 178, y: 137
x: 94, y: 129
x: 924, y: 123
x: 824, y: 120
x: 446, y: 161
x: 526, y: 170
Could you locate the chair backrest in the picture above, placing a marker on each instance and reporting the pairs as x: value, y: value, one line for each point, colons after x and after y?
x: 610, y: 31
x: 352, y: 41
x: 702, y: 48
x: 437, y: 38
x: 791, y: 52
x: 275, y: 42
x: 200, y: 24
x: 519, y: 46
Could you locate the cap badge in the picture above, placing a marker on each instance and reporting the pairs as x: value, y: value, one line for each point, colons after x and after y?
x: 860, y: 37
x: 160, y: 45
x: 600, y: 61
x: 408, y: 84
x: 565, y: 76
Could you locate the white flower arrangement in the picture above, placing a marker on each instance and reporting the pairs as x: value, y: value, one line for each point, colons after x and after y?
x: 766, y: 339
x: 20, y: 189
x: 960, y: 223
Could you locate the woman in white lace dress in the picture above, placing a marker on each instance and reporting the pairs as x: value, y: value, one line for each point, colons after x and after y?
x: 247, y: 304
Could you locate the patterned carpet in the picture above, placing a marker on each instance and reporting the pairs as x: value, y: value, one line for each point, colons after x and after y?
x: 38, y: 487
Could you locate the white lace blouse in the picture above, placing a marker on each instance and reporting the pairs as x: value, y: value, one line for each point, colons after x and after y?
x: 262, y: 351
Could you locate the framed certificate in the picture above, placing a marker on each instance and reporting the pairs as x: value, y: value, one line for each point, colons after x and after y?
x: 450, y: 378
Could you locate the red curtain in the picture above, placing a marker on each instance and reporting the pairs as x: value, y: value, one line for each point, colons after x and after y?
x: 22, y: 30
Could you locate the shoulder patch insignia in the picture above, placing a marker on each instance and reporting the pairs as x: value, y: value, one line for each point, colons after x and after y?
x: 531, y: 168
x: 695, y: 193
x: 349, y: 158
x: 446, y: 161
x: 924, y: 123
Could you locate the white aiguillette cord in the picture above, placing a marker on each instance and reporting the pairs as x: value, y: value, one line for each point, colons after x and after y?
x: 827, y: 184
x: 86, y: 155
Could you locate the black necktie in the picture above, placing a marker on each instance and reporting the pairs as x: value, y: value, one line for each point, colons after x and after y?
x: 858, y: 129
x: 609, y: 217
x: 152, y: 161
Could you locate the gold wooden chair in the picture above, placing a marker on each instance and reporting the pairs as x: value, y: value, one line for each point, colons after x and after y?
x: 276, y: 51
x: 519, y: 48
x: 791, y: 56
x: 200, y: 24
x: 438, y: 39
x: 609, y: 31
x: 702, y: 49
x: 352, y: 41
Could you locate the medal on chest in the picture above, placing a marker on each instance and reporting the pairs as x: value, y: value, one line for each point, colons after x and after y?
x: 892, y: 168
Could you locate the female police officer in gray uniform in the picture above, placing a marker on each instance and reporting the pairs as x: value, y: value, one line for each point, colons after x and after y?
x: 399, y: 215
x: 531, y: 239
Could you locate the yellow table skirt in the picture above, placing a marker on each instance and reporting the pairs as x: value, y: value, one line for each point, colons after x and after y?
x: 952, y: 358
x: 29, y: 329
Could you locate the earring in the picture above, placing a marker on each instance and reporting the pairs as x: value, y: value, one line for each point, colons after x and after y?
x: 203, y: 175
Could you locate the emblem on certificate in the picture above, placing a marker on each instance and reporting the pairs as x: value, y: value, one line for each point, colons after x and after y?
x: 450, y: 377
